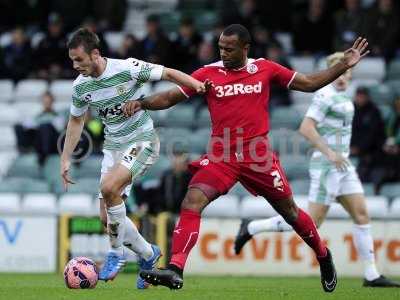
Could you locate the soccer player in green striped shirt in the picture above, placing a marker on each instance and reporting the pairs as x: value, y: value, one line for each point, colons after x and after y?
x: 327, y: 125
x: 131, y: 145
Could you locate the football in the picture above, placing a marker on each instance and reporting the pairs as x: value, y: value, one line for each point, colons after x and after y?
x: 81, y: 273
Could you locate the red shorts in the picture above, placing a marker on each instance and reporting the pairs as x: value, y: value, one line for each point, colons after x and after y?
x: 265, y: 178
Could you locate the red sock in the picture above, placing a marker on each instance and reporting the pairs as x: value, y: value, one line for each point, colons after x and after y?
x: 184, y: 237
x: 305, y: 228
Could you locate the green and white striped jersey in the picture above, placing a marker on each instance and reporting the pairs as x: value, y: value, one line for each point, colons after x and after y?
x: 119, y: 82
x: 333, y: 111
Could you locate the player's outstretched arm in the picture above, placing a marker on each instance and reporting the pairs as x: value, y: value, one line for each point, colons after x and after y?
x: 72, y: 136
x: 158, y: 101
x: 315, y: 81
x: 308, y: 129
x: 183, y: 79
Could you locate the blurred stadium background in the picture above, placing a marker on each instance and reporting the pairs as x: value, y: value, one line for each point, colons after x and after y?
x: 41, y: 225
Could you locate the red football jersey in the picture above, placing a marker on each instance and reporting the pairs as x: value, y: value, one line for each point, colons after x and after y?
x: 240, y: 100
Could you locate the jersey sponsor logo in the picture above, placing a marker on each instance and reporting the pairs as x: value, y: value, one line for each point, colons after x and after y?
x: 178, y: 230
x: 252, y: 68
x: 111, y: 111
x: 238, y: 89
x: 120, y: 90
x: 135, y: 62
x: 87, y: 98
x: 204, y: 162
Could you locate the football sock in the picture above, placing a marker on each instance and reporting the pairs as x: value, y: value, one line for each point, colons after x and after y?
x: 305, y: 228
x: 275, y: 224
x: 135, y: 241
x: 116, y: 227
x: 184, y: 237
x: 365, y: 247
x: 176, y: 269
x: 129, y: 254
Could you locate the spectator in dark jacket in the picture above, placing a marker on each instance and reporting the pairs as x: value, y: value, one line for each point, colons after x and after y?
x: 174, y: 183
x: 313, y: 31
x: 368, y: 134
x: 156, y: 47
x: 279, y: 96
x: 204, y: 56
x: 391, y: 147
x: 186, y: 45
x: 51, y: 54
x: 92, y: 25
x: 129, y: 48
x: 393, y: 129
x: 382, y: 27
x: 348, y: 24
x: 165, y: 194
x: 42, y: 132
x: 261, y: 41
x: 17, y: 56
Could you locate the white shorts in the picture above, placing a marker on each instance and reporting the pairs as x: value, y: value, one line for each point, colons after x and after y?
x: 137, y: 158
x: 328, y: 183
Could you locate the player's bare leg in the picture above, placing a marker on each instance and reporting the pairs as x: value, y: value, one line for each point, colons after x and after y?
x: 318, y: 212
x: 128, y: 237
x: 303, y: 224
x: 356, y: 206
x: 248, y: 228
x: 183, y: 240
x: 134, y: 243
x: 111, y: 188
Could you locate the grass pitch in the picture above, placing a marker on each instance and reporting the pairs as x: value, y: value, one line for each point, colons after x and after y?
x: 51, y: 287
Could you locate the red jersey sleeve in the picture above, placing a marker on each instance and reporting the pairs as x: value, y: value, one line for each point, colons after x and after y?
x: 281, y: 75
x: 199, y: 74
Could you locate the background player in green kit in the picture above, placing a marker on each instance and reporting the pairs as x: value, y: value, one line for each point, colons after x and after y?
x: 327, y: 125
x: 131, y: 145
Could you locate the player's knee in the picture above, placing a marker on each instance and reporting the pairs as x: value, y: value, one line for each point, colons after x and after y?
x: 109, y: 191
x: 318, y: 221
x: 191, y: 202
x: 361, y: 217
x: 289, y: 211
x: 194, y: 200
x: 291, y: 215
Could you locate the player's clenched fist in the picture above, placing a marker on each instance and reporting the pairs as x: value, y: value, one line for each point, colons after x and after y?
x: 202, y: 87
x: 131, y: 107
x: 199, y: 87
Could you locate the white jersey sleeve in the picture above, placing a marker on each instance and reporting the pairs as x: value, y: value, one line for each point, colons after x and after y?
x: 143, y: 71
x: 78, y: 106
x: 319, y: 106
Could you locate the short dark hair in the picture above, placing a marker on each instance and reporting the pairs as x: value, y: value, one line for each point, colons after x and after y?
x: 153, y: 18
x: 86, y: 38
x: 362, y: 90
x: 186, y: 21
x: 239, y: 30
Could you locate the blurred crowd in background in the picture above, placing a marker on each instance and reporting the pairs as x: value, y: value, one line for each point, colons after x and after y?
x: 33, y: 37
x: 36, y: 31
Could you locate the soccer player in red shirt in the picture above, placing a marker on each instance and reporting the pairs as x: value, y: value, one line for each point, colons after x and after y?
x: 239, y: 148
